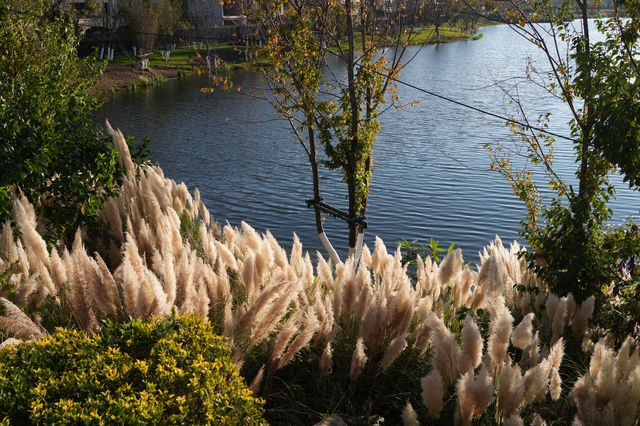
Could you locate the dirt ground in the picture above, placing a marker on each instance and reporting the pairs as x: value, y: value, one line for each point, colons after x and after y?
x: 117, y: 76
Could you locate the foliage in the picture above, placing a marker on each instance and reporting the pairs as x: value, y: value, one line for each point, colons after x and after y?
x: 168, y: 371
x: 301, y: 394
x: 150, y: 18
x: 326, y: 109
x: 358, y: 340
x: 143, y: 17
x: 49, y: 146
x: 571, y: 246
x: 431, y: 249
x: 616, y: 79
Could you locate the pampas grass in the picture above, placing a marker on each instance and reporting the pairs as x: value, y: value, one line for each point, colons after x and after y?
x: 471, y: 346
x: 280, y: 311
x: 433, y: 389
x: 358, y: 360
x: 409, y: 416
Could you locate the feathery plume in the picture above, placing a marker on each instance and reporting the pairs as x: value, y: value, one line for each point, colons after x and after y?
x: 539, y: 300
x: 409, y: 416
x: 555, y: 385
x: 446, y: 351
x: 560, y: 314
x: 510, y: 389
x: 24, y: 217
x: 521, y: 337
x: 433, y: 392
x: 358, y: 360
x: 394, y: 349
x: 450, y: 267
x: 267, y: 297
x: 535, y: 385
x: 326, y: 360
x: 499, y: 340
x: 474, y: 394
x: 471, y: 345
x: 552, y: 304
x: 124, y: 156
x: 580, y: 319
x: 524, y: 303
x: 288, y: 330
x: 513, y: 420
x: 273, y: 313
x: 257, y: 381
x: 15, y: 322
x: 537, y: 420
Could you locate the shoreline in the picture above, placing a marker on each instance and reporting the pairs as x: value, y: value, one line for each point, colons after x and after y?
x: 122, y: 75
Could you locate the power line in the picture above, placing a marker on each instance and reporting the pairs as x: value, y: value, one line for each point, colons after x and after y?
x: 489, y: 113
x: 462, y: 104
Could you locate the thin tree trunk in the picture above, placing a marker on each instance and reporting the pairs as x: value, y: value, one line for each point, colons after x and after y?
x: 353, y: 153
x: 585, y: 188
x: 333, y: 255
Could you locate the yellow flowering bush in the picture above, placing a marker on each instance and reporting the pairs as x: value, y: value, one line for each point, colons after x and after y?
x: 173, y: 370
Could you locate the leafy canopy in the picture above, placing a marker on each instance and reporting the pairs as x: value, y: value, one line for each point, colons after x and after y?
x: 50, y: 148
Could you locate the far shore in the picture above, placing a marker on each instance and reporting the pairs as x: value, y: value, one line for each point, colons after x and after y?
x: 125, y: 74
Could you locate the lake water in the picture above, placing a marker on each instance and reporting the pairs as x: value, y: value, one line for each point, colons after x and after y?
x: 430, y: 177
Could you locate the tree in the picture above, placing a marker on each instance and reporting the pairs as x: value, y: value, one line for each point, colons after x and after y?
x: 144, y: 20
x: 325, y: 108
x: 438, y: 12
x: 50, y: 148
x: 571, y: 245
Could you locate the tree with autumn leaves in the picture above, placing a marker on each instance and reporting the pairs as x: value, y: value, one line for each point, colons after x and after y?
x: 571, y: 244
x: 335, y: 110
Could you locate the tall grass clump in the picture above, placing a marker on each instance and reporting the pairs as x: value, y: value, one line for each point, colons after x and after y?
x: 314, y: 339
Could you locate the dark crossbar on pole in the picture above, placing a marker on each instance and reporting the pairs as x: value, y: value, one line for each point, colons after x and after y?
x: 338, y: 214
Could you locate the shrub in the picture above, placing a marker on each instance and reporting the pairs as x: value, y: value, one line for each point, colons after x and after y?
x: 50, y: 146
x: 168, y: 371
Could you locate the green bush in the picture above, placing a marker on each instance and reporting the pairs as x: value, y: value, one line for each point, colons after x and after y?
x: 169, y: 371
x: 50, y: 147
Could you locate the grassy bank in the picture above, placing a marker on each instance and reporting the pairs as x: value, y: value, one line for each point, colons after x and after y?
x: 125, y: 72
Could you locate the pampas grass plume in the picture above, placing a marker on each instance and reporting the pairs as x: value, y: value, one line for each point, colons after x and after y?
x: 15, y: 322
x: 535, y: 385
x: 555, y: 386
x: 394, y: 349
x: 326, y: 360
x: 450, y: 267
x: 514, y: 420
x: 521, y: 337
x: 538, y: 421
x: 358, y: 360
x: 580, y: 319
x: 471, y: 345
x: 474, y: 394
x: 552, y: 304
x: 559, y: 319
x: 311, y: 326
x: 257, y: 381
x: 409, y: 416
x: 510, y: 389
x: 433, y: 393
x: 500, y: 333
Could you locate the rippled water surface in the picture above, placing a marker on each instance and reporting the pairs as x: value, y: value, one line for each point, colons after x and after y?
x: 430, y: 176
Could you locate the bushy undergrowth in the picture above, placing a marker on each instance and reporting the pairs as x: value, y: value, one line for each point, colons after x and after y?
x: 169, y: 371
x: 456, y: 343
